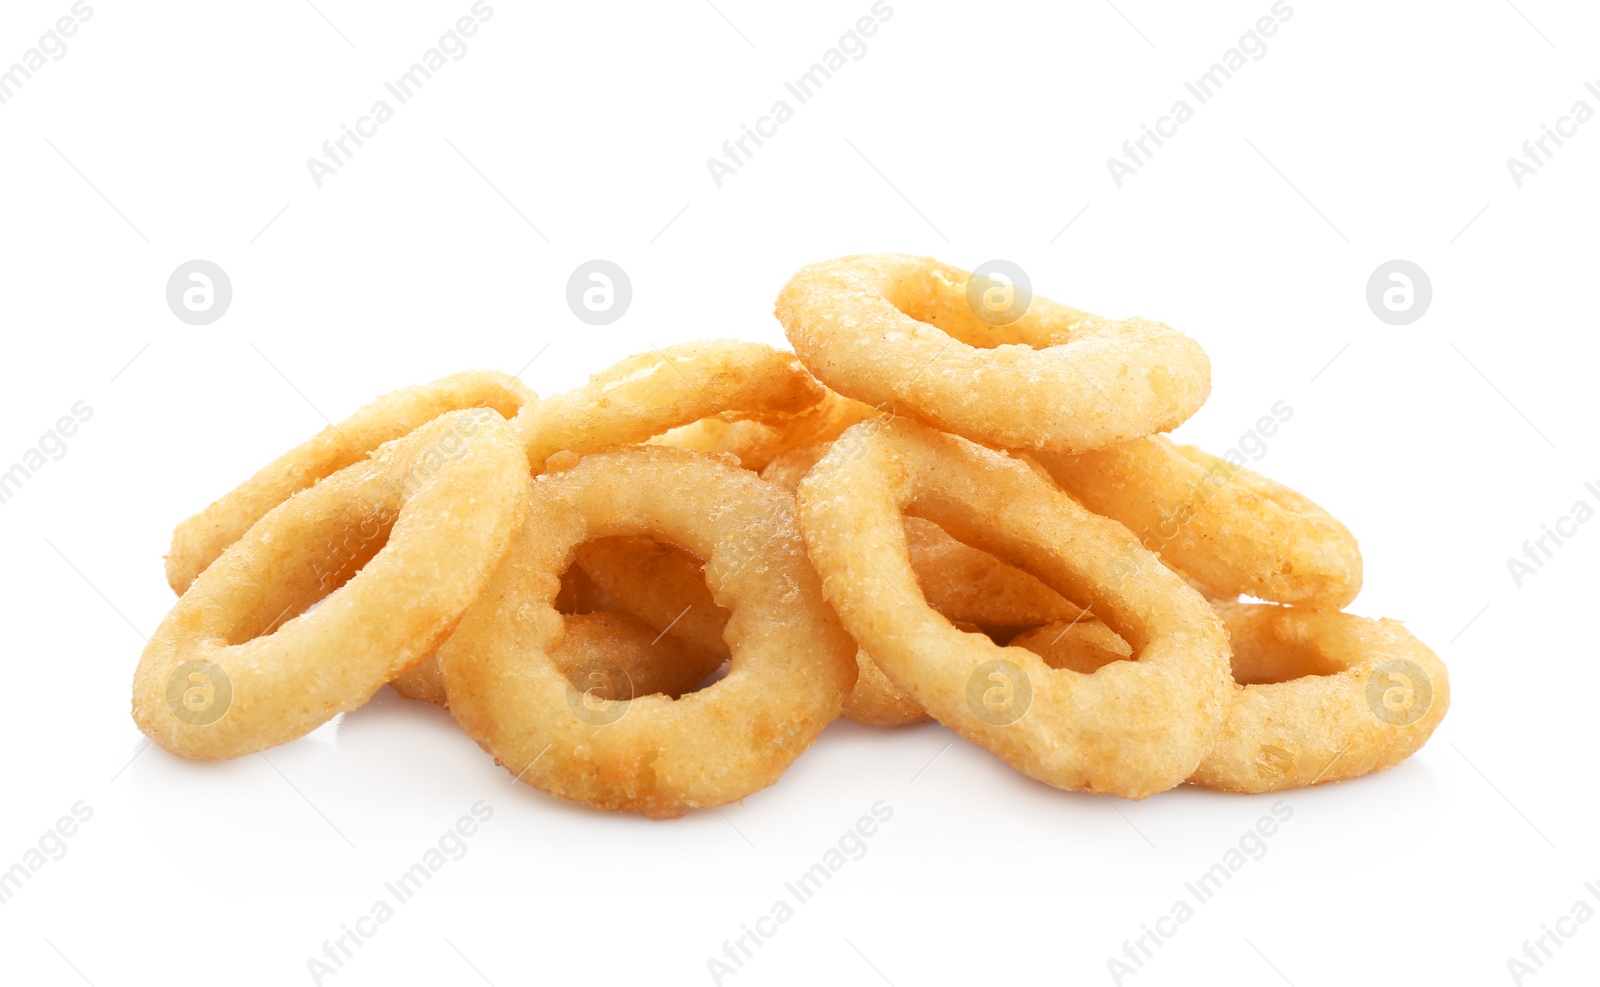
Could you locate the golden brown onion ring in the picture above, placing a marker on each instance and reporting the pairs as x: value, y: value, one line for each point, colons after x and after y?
x: 238, y: 665
x: 791, y: 661
x: 897, y: 332
x: 198, y: 541
x: 1231, y: 529
x: 1131, y: 729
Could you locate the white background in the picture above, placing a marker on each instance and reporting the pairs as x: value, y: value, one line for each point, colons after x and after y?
x: 1368, y: 131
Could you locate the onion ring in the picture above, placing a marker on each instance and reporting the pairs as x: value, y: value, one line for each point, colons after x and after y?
x: 643, y: 395
x: 875, y: 701
x: 1321, y: 696
x: 756, y: 444
x: 896, y: 332
x: 1324, y: 697
x: 964, y: 584
x: 1130, y: 730
x: 791, y: 665
x: 648, y: 394
x: 432, y: 513
x: 1230, y: 528
x: 664, y: 586
x: 968, y: 586
x: 198, y: 541
x: 617, y: 656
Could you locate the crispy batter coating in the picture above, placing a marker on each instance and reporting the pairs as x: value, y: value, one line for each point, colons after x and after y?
x: 648, y: 394
x: 965, y: 584
x: 395, y: 548
x: 1231, y: 529
x: 198, y: 541
x: 1131, y: 729
x: 664, y: 585
x: 756, y: 444
x: 1321, y: 696
x: 791, y: 660
x: 897, y: 332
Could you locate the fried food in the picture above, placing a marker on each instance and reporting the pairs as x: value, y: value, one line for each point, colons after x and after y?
x: 1131, y: 729
x: 969, y: 465
x: 648, y: 394
x: 661, y: 584
x: 394, y: 548
x: 1083, y: 645
x: 1323, y: 697
x: 664, y: 585
x: 897, y: 332
x: 1320, y: 696
x: 1232, y: 529
x: 756, y: 444
x: 579, y: 596
x: 791, y: 660
x: 198, y: 541
x: 966, y: 585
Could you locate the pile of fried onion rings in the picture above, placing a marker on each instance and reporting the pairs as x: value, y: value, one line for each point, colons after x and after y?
x: 652, y: 593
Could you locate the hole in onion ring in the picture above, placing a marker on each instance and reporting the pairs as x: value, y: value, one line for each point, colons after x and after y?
x: 350, y: 538
x: 653, y: 588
